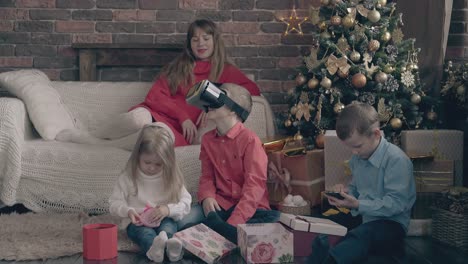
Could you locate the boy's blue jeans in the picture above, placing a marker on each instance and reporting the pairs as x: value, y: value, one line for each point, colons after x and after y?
x: 143, y: 236
x: 381, y: 237
x: 196, y: 216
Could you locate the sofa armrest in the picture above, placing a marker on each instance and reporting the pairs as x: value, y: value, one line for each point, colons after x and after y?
x: 189, y: 163
x: 15, y: 118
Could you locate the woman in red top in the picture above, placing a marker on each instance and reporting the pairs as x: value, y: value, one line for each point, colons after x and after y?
x: 204, y: 57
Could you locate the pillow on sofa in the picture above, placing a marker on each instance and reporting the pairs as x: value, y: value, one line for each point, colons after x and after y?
x: 45, y: 107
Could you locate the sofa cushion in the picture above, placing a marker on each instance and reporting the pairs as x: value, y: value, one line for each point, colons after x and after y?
x: 45, y: 107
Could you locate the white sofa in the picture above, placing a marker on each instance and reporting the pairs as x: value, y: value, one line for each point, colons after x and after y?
x: 48, y: 175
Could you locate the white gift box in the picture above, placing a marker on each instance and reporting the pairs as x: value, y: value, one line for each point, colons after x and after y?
x: 313, y: 224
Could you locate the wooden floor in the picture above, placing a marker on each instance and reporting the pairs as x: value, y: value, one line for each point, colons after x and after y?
x: 419, y: 250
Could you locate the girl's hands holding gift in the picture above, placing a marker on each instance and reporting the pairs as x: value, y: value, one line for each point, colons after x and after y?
x: 159, y: 213
x: 135, y: 217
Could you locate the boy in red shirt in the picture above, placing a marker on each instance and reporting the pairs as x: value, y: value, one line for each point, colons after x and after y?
x: 232, y: 188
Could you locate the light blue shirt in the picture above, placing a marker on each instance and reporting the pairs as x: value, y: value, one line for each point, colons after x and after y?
x: 383, y: 184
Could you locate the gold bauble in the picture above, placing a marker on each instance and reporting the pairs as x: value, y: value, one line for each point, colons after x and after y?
x: 388, y: 68
x: 325, y: 35
x: 374, y: 45
x: 359, y: 80
x: 313, y: 83
x: 355, y: 56
x: 461, y: 90
x: 287, y: 123
x: 381, y: 77
x: 300, y: 79
x: 415, y: 98
x: 348, y: 21
x: 335, y: 20
x: 293, y: 110
x: 396, y: 123
x: 382, y: 2
x: 414, y: 66
x: 386, y: 36
x: 326, y: 83
x: 320, y: 141
x: 373, y: 16
x: 298, y: 136
x: 338, y: 107
x: 342, y: 74
x: 431, y: 115
x: 325, y: 2
x: 323, y: 25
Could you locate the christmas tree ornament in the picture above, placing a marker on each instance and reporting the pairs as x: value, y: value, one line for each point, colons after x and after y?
x: 335, y: 20
x: 359, y: 80
x: 304, y: 98
x: 373, y: 45
x: 355, y: 56
x: 298, y: 136
x: 320, y: 140
x: 326, y: 83
x: 294, y: 23
x: 312, y: 61
x: 415, y: 98
x: 382, y: 2
x: 314, y: 15
x: 287, y: 123
x: 348, y: 21
x: 369, y: 69
x: 323, y: 25
x: 397, y: 35
x: 396, y: 123
x: 333, y: 64
x: 388, y: 68
x: 383, y: 113
x: 300, y: 79
x: 325, y: 35
x: 338, y: 107
x: 302, y: 110
x: 386, y: 36
x: 342, y: 74
x: 343, y: 44
x: 381, y: 77
x: 407, y: 78
x: 293, y: 109
x: 373, y: 16
x: 325, y: 2
x: 362, y: 10
x: 431, y: 115
x: 313, y: 83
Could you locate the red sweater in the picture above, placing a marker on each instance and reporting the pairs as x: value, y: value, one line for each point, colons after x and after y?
x: 173, y: 110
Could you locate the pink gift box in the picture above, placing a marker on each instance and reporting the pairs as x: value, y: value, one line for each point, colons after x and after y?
x: 99, y: 241
x: 205, y: 243
x: 265, y: 243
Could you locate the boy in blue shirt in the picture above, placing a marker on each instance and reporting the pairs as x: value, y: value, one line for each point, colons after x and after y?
x: 382, y: 189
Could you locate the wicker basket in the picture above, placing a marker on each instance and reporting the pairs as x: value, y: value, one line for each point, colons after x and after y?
x: 450, y: 228
x: 295, y: 210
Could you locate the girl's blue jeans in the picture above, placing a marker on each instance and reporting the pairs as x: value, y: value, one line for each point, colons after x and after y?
x: 143, y: 236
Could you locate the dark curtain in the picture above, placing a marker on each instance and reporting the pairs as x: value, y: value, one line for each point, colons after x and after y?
x: 428, y: 21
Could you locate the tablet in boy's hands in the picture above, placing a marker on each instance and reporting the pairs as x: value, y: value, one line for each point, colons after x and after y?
x: 336, y: 195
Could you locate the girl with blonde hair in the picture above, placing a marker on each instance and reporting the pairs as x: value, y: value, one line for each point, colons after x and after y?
x: 151, y: 195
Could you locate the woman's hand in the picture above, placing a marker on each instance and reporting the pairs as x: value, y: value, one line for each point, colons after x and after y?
x: 190, y: 130
x: 135, y: 217
x: 210, y: 205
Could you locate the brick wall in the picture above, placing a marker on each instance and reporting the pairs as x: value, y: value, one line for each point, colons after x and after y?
x: 39, y: 34
x: 457, y: 44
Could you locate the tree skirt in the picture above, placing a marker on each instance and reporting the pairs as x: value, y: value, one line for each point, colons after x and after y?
x: 49, y: 235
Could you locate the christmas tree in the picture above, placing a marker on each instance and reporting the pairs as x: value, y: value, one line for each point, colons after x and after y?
x: 360, y: 54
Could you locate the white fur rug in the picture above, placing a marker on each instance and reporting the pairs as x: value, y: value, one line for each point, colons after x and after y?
x: 48, y: 235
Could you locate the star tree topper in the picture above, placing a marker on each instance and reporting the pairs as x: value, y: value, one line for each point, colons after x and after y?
x: 294, y: 23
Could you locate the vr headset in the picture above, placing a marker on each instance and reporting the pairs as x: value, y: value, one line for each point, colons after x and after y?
x: 206, y: 94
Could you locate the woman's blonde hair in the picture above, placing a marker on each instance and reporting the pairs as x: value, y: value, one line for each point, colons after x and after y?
x: 157, y: 140
x: 180, y: 71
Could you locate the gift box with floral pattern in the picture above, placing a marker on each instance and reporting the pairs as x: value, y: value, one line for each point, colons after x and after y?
x: 265, y: 243
x: 205, y: 243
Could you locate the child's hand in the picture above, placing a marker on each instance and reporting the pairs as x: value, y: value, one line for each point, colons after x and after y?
x: 349, y: 201
x: 190, y: 130
x: 210, y: 205
x: 135, y: 217
x: 160, y: 212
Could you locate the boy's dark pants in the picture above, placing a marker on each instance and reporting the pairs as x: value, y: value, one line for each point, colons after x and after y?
x: 381, y: 237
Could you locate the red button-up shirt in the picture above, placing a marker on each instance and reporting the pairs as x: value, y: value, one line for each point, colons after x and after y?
x: 234, y: 172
